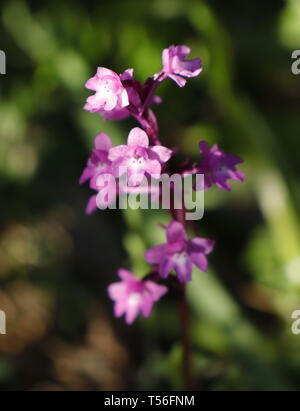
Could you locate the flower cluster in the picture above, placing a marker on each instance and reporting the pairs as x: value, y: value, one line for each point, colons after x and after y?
x: 143, y: 157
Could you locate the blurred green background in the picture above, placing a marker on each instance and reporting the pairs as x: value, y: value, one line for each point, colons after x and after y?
x: 56, y: 262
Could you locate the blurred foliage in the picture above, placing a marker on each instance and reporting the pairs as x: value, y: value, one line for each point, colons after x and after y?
x: 55, y: 262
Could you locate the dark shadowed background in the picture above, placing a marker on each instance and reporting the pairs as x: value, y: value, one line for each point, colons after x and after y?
x: 56, y: 262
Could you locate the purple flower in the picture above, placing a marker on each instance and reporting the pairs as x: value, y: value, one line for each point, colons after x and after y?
x: 98, y: 163
x: 133, y: 296
x: 179, y: 253
x: 218, y: 167
x: 110, y: 92
x: 137, y: 158
x: 176, y: 67
x: 131, y: 86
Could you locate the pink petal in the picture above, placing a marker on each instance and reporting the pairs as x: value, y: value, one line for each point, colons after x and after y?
x: 117, y: 291
x: 127, y: 75
x: 116, y: 114
x: 207, y: 182
x: 183, y: 50
x: 204, y: 147
x: 155, y: 254
x: 95, y: 102
x: 199, y: 260
x: 202, y: 245
x: 156, y: 290
x: 189, y: 68
x: 120, y: 166
x: 120, y: 307
x: 166, y: 266
x: 91, y: 205
x: 223, y: 185
x: 163, y: 153
x: 102, y: 142
x: 126, y: 275
x: 146, y: 305
x: 93, y: 83
x: 236, y: 175
x: 103, y: 71
x: 86, y: 174
x: 88, y: 107
x: 117, y: 152
x: 153, y: 167
x: 179, y: 80
x: 124, y: 99
x: 176, y: 232
x: 132, y: 312
x: 184, y: 270
x: 232, y: 160
x: 111, y: 102
x: 166, y: 60
x: 138, y: 138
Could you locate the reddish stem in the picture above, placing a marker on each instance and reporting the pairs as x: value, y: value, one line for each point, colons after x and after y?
x: 184, y: 327
x: 179, y: 215
x: 148, y: 121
